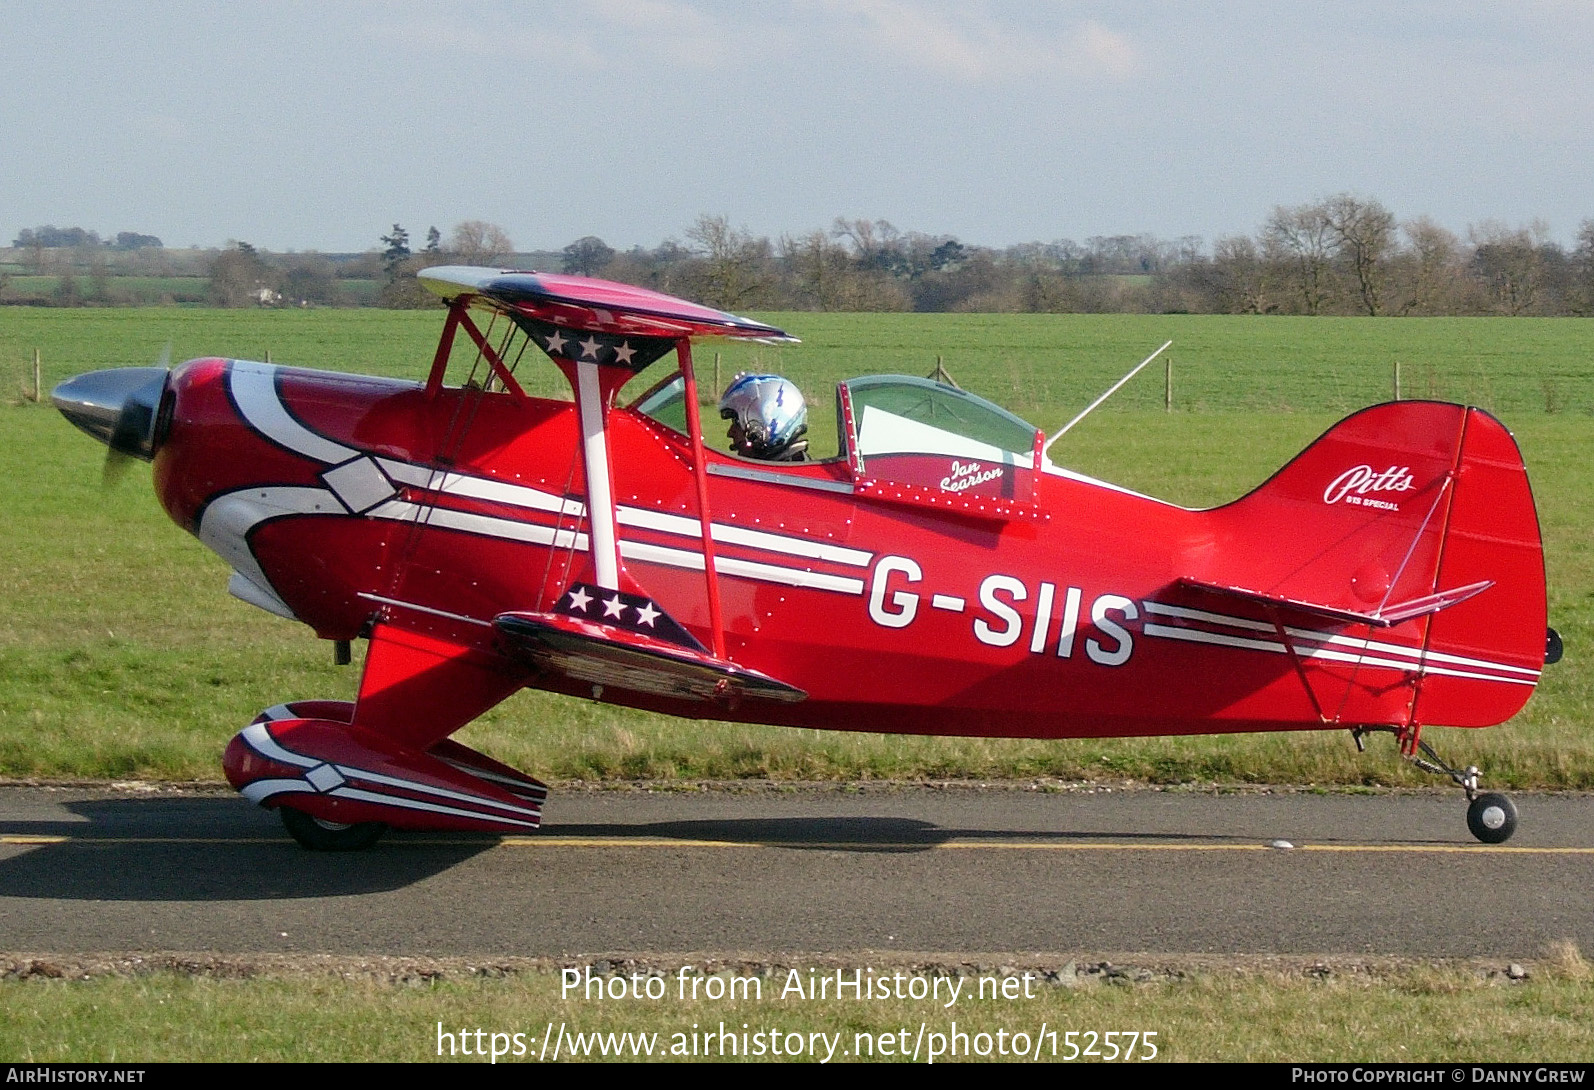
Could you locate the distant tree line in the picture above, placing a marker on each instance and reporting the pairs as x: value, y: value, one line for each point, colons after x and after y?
x: 1338, y: 255
x: 76, y: 237
x: 473, y: 242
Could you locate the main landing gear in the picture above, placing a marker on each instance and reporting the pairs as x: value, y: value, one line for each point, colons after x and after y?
x: 1491, y: 817
x: 320, y: 835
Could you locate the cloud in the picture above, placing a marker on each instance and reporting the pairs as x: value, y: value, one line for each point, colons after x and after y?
x: 653, y: 16
x: 441, y: 38
x: 969, y: 43
x: 975, y: 47
x: 1113, y: 54
x: 585, y: 35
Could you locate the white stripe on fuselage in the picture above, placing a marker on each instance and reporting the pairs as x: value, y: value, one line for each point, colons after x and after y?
x: 228, y: 520
x: 254, y: 390
x: 515, y: 495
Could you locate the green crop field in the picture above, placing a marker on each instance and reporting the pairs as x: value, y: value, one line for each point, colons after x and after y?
x: 121, y: 655
x: 138, y: 290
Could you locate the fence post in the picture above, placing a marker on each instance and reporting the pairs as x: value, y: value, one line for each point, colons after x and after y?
x: 1167, y: 385
x: 942, y: 375
x: 38, y: 389
x: 1397, y: 380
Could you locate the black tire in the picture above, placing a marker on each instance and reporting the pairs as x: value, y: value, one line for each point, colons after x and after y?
x: 320, y: 835
x: 1492, y: 818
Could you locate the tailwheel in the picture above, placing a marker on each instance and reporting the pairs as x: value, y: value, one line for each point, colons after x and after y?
x: 1492, y: 818
x: 320, y: 835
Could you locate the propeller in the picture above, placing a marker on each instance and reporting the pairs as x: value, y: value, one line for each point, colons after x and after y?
x: 120, y: 407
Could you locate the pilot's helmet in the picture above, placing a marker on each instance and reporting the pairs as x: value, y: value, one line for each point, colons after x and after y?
x: 767, y: 414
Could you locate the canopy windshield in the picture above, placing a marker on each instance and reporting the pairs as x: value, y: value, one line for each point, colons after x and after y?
x: 665, y: 401
x: 900, y: 414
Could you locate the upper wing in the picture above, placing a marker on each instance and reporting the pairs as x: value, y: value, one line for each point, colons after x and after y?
x: 589, y: 305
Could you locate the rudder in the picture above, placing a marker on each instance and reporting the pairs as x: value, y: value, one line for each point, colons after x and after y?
x: 1410, y: 529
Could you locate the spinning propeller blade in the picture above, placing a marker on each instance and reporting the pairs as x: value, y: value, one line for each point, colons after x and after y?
x: 120, y: 407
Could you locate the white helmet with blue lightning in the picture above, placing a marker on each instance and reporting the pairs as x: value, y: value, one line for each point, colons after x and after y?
x: 768, y: 417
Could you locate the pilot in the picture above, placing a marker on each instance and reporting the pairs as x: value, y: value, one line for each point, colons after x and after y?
x: 768, y: 418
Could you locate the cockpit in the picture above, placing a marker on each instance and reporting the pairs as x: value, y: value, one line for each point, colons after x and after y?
x: 909, y: 431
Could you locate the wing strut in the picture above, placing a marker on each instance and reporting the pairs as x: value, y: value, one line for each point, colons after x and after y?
x: 445, y: 347
x: 459, y: 316
x: 694, y: 426
x: 592, y: 403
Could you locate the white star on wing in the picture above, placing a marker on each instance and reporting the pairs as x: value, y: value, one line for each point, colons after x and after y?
x: 556, y: 344
x: 613, y: 607
x: 645, y: 614
x: 590, y: 347
x: 624, y: 353
x: 579, y: 599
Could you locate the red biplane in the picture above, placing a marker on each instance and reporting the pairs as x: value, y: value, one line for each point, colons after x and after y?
x: 939, y: 576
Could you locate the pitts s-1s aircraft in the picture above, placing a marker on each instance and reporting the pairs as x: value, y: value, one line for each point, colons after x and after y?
x: 940, y: 576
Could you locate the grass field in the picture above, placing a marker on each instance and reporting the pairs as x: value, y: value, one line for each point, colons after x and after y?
x: 122, y: 656
x: 1312, y: 1012
x: 149, y: 290
x: 159, y: 290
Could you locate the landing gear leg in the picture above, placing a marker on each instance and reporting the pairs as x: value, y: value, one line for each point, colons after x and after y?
x: 1491, y: 817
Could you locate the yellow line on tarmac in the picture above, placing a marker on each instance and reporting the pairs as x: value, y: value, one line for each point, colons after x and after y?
x: 1007, y: 845
x: 634, y: 842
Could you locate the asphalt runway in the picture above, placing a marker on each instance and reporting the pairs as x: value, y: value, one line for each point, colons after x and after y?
x: 810, y: 870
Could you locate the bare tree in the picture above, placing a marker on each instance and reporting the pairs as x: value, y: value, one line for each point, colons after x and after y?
x: 1240, y: 275
x: 1583, y: 269
x: 1301, y: 241
x: 1046, y: 290
x: 822, y: 273
x: 1430, y: 273
x: 736, y: 269
x: 872, y: 240
x: 1365, y: 234
x: 822, y: 269
x: 1511, y: 264
x: 239, y: 278
x: 310, y: 280
x: 476, y: 242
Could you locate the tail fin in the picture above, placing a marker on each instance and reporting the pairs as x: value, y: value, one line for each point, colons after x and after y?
x: 1415, y: 520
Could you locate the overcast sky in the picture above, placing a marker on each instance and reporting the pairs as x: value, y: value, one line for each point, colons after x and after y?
x: 318, y: 125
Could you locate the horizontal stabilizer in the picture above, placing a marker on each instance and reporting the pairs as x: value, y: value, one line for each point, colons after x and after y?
x: 1383, y: 617
x: 602, y: 654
